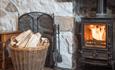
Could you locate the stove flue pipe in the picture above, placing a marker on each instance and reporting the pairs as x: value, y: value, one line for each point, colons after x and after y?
x: 101, y: 7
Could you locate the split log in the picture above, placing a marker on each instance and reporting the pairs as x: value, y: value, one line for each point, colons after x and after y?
x: 34, y: 40
x: 20, y: 38
x: 29, y: 40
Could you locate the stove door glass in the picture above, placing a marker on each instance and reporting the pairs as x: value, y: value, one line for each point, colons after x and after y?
x: 95, y: 35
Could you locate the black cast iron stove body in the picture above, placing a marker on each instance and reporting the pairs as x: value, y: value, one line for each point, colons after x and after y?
x: 95, y: 41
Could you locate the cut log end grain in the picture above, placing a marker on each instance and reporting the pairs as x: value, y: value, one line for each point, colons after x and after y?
x: 28, y: 39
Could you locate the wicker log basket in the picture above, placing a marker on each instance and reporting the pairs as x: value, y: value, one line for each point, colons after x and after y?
x: 29, y: 58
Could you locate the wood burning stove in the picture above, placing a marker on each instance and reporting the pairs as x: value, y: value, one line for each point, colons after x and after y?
x: 95, y: 39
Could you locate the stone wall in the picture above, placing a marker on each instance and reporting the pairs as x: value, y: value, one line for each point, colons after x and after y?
x: 65, y: 22
x: 8, y: 16
x: 10, y: 10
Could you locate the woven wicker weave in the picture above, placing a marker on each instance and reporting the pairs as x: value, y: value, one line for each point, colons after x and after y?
x: 28, y: 58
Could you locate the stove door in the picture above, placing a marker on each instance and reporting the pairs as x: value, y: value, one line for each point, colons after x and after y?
x: 95, y: 35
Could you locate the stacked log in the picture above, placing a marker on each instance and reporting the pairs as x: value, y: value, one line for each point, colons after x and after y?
x: 28, y: 51
x: 28, y: 39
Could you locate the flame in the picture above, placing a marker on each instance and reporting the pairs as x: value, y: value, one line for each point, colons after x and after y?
x: 98, y: 32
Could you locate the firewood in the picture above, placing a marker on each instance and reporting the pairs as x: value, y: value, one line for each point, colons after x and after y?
x: 13, y: 41
x: 29, y: 40
x: 39, y: 37
x: 43, y: 41
x: 20, y: 38
x: 22, y: 35
x: 46, y: 42
x: 25, y: 41
x: 33, y: 41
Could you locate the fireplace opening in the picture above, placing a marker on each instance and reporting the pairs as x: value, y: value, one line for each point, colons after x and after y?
x: 95, y: 35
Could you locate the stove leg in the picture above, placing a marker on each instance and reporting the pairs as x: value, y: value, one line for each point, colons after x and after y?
x: 113, y: 65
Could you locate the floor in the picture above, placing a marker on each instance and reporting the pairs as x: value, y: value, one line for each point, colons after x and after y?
x: 91, y: 68
x: 97, y: 68
x: 44, y: 69
x: 48, y: 69
x: 86, y: 68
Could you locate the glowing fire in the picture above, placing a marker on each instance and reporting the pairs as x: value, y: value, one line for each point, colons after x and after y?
x: 95, y: 34
x: 98, y: 32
